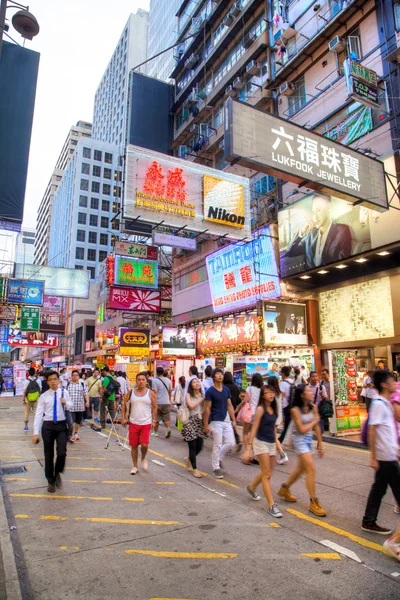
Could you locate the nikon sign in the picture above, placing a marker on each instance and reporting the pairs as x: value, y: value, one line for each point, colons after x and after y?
x: 260, y: 141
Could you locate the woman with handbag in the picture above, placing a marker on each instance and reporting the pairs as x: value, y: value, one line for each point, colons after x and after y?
x: 251, y: 399
x: 191, y: 417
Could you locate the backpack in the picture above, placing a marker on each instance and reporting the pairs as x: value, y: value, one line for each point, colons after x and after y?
x: 291, y: 392
x: 33, y: 390
x: 325, y: 409
x: 364, y: 430
x: 112, y: 386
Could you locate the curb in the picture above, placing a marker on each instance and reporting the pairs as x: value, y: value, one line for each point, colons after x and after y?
x: 13, y: 589
x: 343, y: 442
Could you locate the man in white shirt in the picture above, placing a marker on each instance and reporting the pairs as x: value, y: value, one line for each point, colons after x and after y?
x: 64, y: 378
x: 383, y: 444
x: 208, y: 382
x: 194, y: 374
x: 32, y: 391
x: 50, y: 417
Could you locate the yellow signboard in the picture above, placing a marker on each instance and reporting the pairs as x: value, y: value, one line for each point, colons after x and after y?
x: 223, y: 202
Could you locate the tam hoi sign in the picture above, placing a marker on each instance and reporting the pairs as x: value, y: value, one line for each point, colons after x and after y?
x: 240, y: 334
x: 136, y: 250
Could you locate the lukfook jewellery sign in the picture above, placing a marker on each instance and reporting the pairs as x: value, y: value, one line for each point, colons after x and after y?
x: 260, y: 141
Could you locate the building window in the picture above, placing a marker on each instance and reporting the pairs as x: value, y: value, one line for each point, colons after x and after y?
x: 78, y: 267
x: 354, y: 47
x: 298, y: 99
x: 106, y: 189
x: 102, y: 255
x: 107, y: 173
x: 96, y: 171
x: 82, y: 218
x: 80, y: 253
x: 91, y: 254
x: 108, y: 157
x: 93, y: 220
x: 85, y: 168
x: 104, y: 222
x: 80, y: 235
x: 83, y: 201
x: 115, y: 225
x: 86, y: 153
x: 396, y: 9
x: 95, y: 187
x: 84, y: 185
x: 219, y: 116
x: 94, y: 203
x: 105, y: 205
x: 103, y: 239
x: 92, y: 272
x: 98, y: 155
x: 92, y: 237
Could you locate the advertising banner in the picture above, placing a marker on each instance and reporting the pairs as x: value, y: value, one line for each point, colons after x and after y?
x: 239, y: 334
x: 134, y: 342
x: 135, y: 299
x: 25, y: 291
x: 8, y: 312
x: 30, y: 319
x: 69, y: 283
x: 179, y: 341
x: 19, y: 378
x: 3, y: 334
x: 31, y: 339
x: 174, y: 241
x: 160, y: 187
x: 361, y: 83
x: 285, y: 323
x: 139, y: 273
x: 319, y: 230
x: 241, y: 274
x: 261, y: 141
x: 352, y: 127
x: 136, y: 250
x: 52, y: 306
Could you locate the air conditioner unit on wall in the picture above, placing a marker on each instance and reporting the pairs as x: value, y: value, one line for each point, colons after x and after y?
x: 337, y: 44
x: 238, y: 83
x: 228, y: 20
x: 287, y: 88
x: 248, y: 40
x: 236, y: 9
x: 193, y: 128
x: 252, y: 68
x: 229, y: 91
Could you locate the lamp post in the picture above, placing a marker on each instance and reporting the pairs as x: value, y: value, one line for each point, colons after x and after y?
x: 23, y: 21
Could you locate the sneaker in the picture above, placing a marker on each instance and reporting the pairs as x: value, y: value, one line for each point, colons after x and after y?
x: 197, y: 473
x: 316, y: 508
x: 284, y: 492
x: 392, y: 547
x: 374, y: 528
x: 254, y: 461
x: 155, y: 434
x: 76, y: 437
x: 168, y: 434
x: 221, y: 465
x: 96, y: 420
x: 71, y: 440
x: 397, y: 509
x: 253, y: 494
x: 188, y: 464
x: 59, y: 481
x: 26, y: 428
x: 134, y: 471
x: 51, y: 488
x: 275, y: 512
x: 218, y: 474
x: 282, y: 460
x: 145, y: 464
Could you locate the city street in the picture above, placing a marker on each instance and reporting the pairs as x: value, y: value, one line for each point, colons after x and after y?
x: 165, y: 534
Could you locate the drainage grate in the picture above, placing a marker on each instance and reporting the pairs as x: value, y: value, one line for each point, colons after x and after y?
x: 12, y: 470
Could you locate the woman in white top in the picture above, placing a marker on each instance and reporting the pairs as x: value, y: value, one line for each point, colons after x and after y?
x: 140, y: 403
x: 252, y: 396
x: 192, y: 431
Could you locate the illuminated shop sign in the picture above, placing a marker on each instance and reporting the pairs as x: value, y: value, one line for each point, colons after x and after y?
x: 361, y: 83
x: 70, y: 283
x: 179, y: 341
x: 236, y: 334
x: 135, y: 299
x: 136, y: 250
x: 353, y: 126
x: 134, y: 342
x: 139, y: 273
x: 285, y: 323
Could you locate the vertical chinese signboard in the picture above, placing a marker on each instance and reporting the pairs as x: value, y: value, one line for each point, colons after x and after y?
x: 30, y: 319
x: 347, y: 410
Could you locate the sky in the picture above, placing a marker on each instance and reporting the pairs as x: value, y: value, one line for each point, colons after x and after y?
x: 76, y: 41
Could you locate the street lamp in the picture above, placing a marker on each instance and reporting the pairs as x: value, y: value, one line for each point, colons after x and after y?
x: 23, y: 21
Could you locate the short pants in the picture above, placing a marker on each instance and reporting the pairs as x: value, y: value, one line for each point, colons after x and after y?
x: 302, y: 444
x: 260, y: 447
x: 95, y: 403
x: 78, y: 416
x: 139, y: 434
x: 163, y: 412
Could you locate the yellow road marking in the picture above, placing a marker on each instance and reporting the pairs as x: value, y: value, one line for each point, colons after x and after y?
x: 274, y: 525
x: 20, y: 435
x: 227, y: 483
x: 207, y: 555
x: 154, y: 452
x: 80, y: 481
x: 69, y: 547
x: 9, y: 456
x: 21, y: 516
x: 126, y: 521
x: 119, y: 482
x: 343, y: 532
x: 80, y: 458
x: 52, y: 518
x: 134, y: 499
x: 165, y: 482
x: 323, y: 556
x: 84, y: 469
x: 17, y: 478
x: 58, y: 497
x: 172, y: 598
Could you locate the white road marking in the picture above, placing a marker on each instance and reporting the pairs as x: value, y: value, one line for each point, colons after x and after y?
x: 157, y: 462
x: 213, y: 491
x: 341, y: 550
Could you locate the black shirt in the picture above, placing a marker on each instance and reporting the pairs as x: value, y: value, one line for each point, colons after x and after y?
x: 266, y: 430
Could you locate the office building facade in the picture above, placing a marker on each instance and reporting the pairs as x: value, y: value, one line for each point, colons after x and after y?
x: 24, y: 248
x: 163, y: 33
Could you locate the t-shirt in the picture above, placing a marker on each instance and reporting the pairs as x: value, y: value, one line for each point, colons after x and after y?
x: 254, y: 395
x: 381, y: 415
x: 64, y: 379
x: 395, y: 397
x: 266, y: 430
x: 318, y: 395
x: 26, y: 383
x: 162, y: 385
x: 219, y: 403
x: 140, y: 409
x: 105, y: 383
x: 94, y: 385
x: 285, y: 386
x: 207, y: 383
x: 274, y: 374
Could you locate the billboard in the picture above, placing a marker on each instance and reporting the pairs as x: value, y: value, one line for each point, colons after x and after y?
x: 351, y: 127
x: 134, y: 342
x: 241, y: 274
x: 67, y: 283
x: 319, y: 230
x: 236, y: 334
x: 175, y: 241
x: 179, y: 341
x: 23, y: 291
x: 136, y: 250
x: 18, y: 338
x: 18, y: 76
x: 261, y: 141
x: 135, y: 299
x: 284, y: 323
x: 140, y: 273
x: 160, y: 187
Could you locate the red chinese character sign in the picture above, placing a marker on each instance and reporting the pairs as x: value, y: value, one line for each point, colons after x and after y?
x: 135, y: 299
x: 110, y: 266
x: 239, y: 334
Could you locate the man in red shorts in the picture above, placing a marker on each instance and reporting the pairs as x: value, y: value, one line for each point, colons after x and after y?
x: 141, y: 406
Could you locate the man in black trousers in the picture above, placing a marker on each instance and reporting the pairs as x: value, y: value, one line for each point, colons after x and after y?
x: 50, y: 417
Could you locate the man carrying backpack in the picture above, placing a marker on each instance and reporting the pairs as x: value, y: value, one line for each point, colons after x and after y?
x: 80, y: 399
x: 32, y: 391
x: 109, y: 388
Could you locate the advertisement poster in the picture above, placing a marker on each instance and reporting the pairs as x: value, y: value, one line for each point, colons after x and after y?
x: 134, y: 342
x: 18, y: 338
x: 58, y: 281
x: 135, y: 299
x: 140, y: 273
x: 132, y: 369
x: 240, y: 334
x: 241, y: 274
x: 19, y: 378
x: 52, y: 307
x: 348, y: 418
x: 7, y: 373
x: 28, y: 292
x: 285, y: 323
x: 319, y: 230
x: 353, y: 126
x: 179, y: 341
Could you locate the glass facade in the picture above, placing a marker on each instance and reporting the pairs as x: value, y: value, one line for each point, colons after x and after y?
x: 163, y: 31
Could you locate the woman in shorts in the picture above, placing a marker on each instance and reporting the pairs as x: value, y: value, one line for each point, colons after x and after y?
x: 305, y: 417
x: 262, y: 443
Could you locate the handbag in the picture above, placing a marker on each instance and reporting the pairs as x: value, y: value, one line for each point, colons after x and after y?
x: 183, y: 414
x: 245, y: 414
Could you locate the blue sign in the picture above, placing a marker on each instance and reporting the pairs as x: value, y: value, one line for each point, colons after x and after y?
x: 241, y: 274
x: 10, y: 225
x: 20, y: 291
x: 3, y: 334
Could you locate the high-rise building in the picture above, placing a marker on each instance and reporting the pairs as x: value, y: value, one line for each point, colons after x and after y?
x: 24, y: 248
x: 162, y: 33
x: 41, y: 253
x: 85, y: 207
x: 111, y: 99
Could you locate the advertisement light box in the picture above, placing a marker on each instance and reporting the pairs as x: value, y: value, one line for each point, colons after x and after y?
x: 58, y: 281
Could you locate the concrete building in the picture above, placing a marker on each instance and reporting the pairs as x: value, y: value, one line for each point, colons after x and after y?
x: 163, y: 31
x: 24, y: 249
x: 111, y: 99
x: 85, y: 206
x: 41, y: 254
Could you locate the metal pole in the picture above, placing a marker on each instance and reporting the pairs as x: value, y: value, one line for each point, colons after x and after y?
x: 3, y: 6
